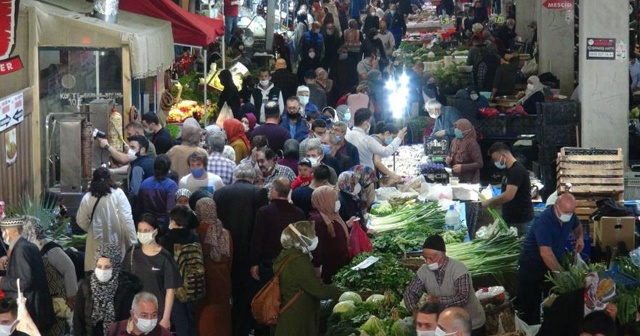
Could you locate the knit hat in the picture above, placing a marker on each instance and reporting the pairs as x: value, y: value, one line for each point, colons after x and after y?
x: 13, y: 221
x: 434, y: 242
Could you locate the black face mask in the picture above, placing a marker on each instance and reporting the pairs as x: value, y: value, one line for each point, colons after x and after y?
x: 293, y: 116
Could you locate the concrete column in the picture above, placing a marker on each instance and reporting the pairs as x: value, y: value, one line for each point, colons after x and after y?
x: 556, y: 45
x: 604, y: 83
x: 525, y: 13
x: 271, y: 19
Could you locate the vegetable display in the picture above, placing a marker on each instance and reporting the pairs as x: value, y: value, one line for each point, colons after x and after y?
x: 387, y: 274
x: 496, y: 255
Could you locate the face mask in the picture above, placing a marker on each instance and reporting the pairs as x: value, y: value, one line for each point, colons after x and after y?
x: 132, y: 154
x: 344, y: 56
x: 314, y: 244
x: 425, y: 332
x: 388, y: 141
x: 330, y: 31
x: 103, y: 275
x: 146, y: 325
x: 264, y: 83
x: 372, y: 13
x: 474, y: 96
x: 304, y: 100
x: 148, y: 130
x: 326, y: 149
x: 338, y: 138
x: 246, y: 128
x: 357, y: 189
x: 293, y: 116
x: 5, y: 238
x: 312, y: 55
x: 316, y: 31
x: 314, y: 162
x: 565, y: 218
x: 337, y: 207
x: 434, y: 266
x: 347, y: 116
x: 264, y: 169
x: 197, y: 173
x: 500, y: 165
x: 392, y: 12
x: 458, y: 133
x: 145, y: 237
x: 440, y: 332
x: 530, y: 87
x: 7, y: 330
x: 433, y: 116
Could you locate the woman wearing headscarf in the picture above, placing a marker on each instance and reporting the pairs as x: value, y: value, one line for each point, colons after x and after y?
x: 61, y: 273
x: 191, y: 136
x: 534, y: 94
x: 105, y: 214
x: 322, y: 79
x: 182, y: 196
x: 465, y: 158
x: 298, y: 276
x: 332, y: 232
x: 214, y: 311
x: 237, y: 138
x: 230, y: 94
x: 106, y: 295
x: 249, y: 120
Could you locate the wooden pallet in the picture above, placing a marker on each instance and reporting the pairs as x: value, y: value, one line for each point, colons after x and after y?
x: 587, y: 171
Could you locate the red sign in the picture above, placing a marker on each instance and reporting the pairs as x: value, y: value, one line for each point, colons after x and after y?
x: 9, y: 12
x: 558, y: 4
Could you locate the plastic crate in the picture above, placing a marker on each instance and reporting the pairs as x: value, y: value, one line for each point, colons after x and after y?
x: 556, y: 135
x: 547, y: 155
x: 620, y: 278
x: 632, y: 186
x: 558, y: 113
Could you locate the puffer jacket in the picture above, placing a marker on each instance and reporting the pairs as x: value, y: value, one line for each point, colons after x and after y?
x: 129, y: 286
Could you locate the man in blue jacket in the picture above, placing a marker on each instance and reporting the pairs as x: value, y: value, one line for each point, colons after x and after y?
x: 445, y: 117
x: 293, y: 120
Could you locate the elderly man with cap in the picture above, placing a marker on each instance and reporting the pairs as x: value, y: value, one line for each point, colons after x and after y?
x: 286, y: 80
x: 446, y: 281
x: 317, y: 95
x: 543, y: 247
x: 25, y: 263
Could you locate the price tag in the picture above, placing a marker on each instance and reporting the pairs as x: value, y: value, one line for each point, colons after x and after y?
x: 366, y: 263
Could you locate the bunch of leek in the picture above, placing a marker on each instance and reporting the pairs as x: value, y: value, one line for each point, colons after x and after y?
x: 496, y: 255
x: 428, y: 214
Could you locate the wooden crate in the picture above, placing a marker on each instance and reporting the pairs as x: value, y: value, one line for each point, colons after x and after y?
x: 590, y: 172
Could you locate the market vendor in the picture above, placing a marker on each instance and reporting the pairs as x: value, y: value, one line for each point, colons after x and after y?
x: 515, y: 199
x: 445, y: 281
x: 532, y: 95
x: 445, y: 117
x: 542, y: 251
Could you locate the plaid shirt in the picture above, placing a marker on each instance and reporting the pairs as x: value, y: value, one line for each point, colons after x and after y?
x: 222, y: 167
x: 278, y: 172
x: 416, y: 289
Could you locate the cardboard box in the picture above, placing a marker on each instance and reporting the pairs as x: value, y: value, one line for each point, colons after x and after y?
x: 610, y: 230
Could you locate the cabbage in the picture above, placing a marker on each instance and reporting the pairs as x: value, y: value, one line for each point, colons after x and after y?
x: 378, y: 299
x: 383, y: 208
x: 344, y: 307
x: 350, y: 296
x: 401, y: 328
x: 373, y: 326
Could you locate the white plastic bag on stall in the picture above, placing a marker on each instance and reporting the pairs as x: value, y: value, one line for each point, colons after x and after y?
x: 437, y: 192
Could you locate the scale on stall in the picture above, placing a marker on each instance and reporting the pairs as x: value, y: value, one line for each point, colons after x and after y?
x: 436, y: 151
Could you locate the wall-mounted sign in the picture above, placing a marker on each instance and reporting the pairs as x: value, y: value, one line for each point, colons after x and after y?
x: 601, y: 48
x: 9, y: 14
x: 11, y: 111
x: 11, y: 146
x: 558, y: 4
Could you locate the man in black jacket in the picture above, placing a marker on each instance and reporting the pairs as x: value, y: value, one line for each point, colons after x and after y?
x: 266, y: 91
x: 286, y: 80
x: 25, y: 263
x: 238, y: 204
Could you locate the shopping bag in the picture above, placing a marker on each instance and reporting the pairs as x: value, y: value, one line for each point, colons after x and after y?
x: 25, y: 324
x: 358, y: 241
x: 225, y: 113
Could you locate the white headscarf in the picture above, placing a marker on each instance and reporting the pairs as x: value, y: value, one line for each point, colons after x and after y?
x: 537, y: 87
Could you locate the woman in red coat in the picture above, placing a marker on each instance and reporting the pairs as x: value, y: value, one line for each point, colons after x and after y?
x: 332, y: 252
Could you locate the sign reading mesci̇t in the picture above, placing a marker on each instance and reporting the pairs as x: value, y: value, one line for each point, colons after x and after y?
x: 558, y: 4
x: 8, y: 22
x: 601, y: 49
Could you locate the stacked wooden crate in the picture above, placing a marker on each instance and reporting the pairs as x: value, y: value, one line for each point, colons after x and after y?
x: 590, y: 174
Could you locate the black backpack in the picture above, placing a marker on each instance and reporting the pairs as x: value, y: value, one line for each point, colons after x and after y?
x: 607, y: 207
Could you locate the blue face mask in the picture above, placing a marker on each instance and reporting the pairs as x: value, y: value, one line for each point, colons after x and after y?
x: 392, y: 12
x: 326, y: 149
x: 458, y: 133
x: 197, y: 173
x: 388, y: 141
x: 347, y: 116
x: 338, y: 138
x: 500, y: 165
x: 344, y: 56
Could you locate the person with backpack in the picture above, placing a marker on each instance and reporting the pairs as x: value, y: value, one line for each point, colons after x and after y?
x: 155, y: 267
x: 300, y: 288
x: 183, y: 243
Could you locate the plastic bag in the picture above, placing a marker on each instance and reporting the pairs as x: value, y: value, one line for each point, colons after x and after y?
x: 579, y: 262
x: 225, y: 113
x: 358, y: 241
x: 530, y: 67
x: 26, y: 324
x: 438, y: 191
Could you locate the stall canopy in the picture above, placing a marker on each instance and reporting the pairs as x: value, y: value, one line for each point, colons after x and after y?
x: 188, y: 28
x: 149, y: 40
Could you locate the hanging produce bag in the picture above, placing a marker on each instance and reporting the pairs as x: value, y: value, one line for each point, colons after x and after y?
x: 358, y: 241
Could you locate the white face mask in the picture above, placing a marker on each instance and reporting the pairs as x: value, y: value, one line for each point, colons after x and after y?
x: 433, y: 266
x: 304, y: 100
x: 433, y: 116
x: 473, y: 96
x: 314, y: 244
x: 314, y: 162
x: 131, y: 154
x: 103, y: 275
x: 425, y: 332
x: 347, y: 116
x: 7, y: 330
x: 5, y: 238
x: 312, y: 54
x: 530, y: 87
x: 146, y: 325
x: 146, y: 237
x: 440, y: 332
x: 565, y: 218
x: 337, y: 207
x: 357, y: 189
x: 264, y: 83
x: 246, y: 127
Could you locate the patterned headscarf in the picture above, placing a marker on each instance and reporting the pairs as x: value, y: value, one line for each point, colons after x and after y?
x: 32, y: 230
x: 216, y: 237
x: 183, y: 192
x: 324, y: 200
x: 347, y: 183
x: 365, y: 175
x: 104, y: 292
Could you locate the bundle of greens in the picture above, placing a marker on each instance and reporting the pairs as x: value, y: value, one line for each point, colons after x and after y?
x: 567, y: 281
x: 426, y: 214
x: 387, y: 274
x: 627, y: 301
x: 496, y: 255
